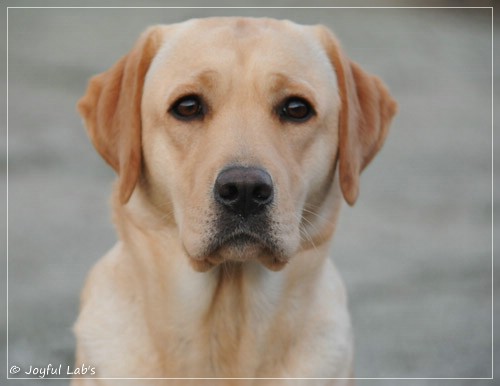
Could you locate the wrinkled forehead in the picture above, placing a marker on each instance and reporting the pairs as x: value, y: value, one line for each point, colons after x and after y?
x: 238, y: 46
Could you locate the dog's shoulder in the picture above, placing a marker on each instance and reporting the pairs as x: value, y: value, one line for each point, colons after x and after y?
x: 111, y: 309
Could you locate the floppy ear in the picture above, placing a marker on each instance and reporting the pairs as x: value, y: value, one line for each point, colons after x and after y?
x: 365, y: 115
x: 111, y: 109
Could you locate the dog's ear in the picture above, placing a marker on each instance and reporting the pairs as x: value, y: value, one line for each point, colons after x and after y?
x: 111, y: 109
x: 365, y: 115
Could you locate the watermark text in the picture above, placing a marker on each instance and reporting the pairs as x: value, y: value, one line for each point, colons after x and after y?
x: 53, y: 370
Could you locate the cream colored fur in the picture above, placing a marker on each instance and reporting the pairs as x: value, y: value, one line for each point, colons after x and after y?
x: 159, y: 305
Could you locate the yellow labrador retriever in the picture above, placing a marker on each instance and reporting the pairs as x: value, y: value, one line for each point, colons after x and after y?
x: 234, y: 141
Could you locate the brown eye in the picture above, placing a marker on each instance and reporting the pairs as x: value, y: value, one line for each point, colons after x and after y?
x: 296, y: 109
x: 187, y: 108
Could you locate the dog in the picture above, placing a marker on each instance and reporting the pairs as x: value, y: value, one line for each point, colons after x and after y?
x: 235, y: 142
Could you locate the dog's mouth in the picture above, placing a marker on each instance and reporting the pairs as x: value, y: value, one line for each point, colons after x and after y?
x: 241, y: 246
x: 240, y: 240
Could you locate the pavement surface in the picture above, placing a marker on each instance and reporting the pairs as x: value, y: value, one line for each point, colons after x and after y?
x: 415, y: 251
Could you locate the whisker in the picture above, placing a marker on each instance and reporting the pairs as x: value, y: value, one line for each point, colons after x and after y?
x: 309, y: 223
x: 318, y: 216
x: 309, y: 238
x: 303, y: 231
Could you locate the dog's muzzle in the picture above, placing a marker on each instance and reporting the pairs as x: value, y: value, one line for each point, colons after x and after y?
x: 243, y: 227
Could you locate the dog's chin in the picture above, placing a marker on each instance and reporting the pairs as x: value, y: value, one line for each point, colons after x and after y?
x: 239, y: 249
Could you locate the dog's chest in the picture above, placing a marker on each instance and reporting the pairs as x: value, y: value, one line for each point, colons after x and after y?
x: 223, y: 338
x: 230, y: 337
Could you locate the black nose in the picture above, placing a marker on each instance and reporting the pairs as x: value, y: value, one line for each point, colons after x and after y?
x: 244, y: 190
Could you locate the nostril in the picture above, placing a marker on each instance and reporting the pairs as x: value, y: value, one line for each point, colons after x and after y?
x: 228, y: 192
x: 262, y: 193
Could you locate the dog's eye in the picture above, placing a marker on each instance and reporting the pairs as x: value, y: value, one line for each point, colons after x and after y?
x: 296, y: 109
x: 187, y: 108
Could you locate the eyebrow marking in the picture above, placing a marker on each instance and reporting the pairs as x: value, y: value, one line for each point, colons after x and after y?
x: 198, y: 83
x: 286, y: 85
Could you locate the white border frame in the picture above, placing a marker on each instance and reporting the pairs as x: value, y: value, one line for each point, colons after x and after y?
x: 187, y: 7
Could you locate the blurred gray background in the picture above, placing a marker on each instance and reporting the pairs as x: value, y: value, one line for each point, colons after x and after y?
x: 415, y: 251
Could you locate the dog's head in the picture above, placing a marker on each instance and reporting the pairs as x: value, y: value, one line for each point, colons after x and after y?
x: 232, y: 129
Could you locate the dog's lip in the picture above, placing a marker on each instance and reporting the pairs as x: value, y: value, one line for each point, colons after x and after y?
x: 233, y: 239
x: 269, y: 253
x: 240, y: 238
